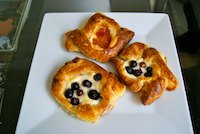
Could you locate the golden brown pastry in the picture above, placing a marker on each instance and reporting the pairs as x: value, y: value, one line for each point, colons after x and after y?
x: 101, y: 38
x: 143, y: 69
x: 86, y: 90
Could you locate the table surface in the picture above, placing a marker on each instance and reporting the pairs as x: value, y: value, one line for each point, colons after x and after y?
x: 19, y: 66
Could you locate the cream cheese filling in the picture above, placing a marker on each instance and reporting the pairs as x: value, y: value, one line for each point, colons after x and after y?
x: 84, y: 99
x: 127, y: 64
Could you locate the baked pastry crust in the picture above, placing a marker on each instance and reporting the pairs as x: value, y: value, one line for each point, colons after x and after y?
x: 150, y: 87
x: 101, y: 38
x: 110, y: 89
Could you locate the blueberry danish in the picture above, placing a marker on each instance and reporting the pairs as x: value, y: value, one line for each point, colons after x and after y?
x: 86, y: 90
x: 143, y: 69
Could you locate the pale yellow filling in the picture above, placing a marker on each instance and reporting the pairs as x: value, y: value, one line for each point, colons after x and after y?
x: 126, y: 63
x: 84, y: 99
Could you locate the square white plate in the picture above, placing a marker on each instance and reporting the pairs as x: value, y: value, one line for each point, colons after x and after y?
x: 40, y: 113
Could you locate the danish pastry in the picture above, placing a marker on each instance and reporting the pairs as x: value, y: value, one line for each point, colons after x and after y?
x: 101, y: 38
x: 86, y: 90
x: 143, y: 69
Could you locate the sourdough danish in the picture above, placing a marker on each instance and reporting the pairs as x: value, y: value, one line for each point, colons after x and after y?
x: 101, y: 38
x: 86, y: 90
x: 143, y: 69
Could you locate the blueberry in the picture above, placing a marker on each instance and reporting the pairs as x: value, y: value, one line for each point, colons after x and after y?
x: 129, y: 70
x: 79, y: 92
x: 142, y: 64
x: 97, y: 77
x: 137, y: 72
x: 87, y: 83
x: 93, y: 94
x: 75, y: 86
x: 69, y: 93
x: 133, y: 63
x: 148, y: 74
x: 75, y: 101
x: 149, y: 69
